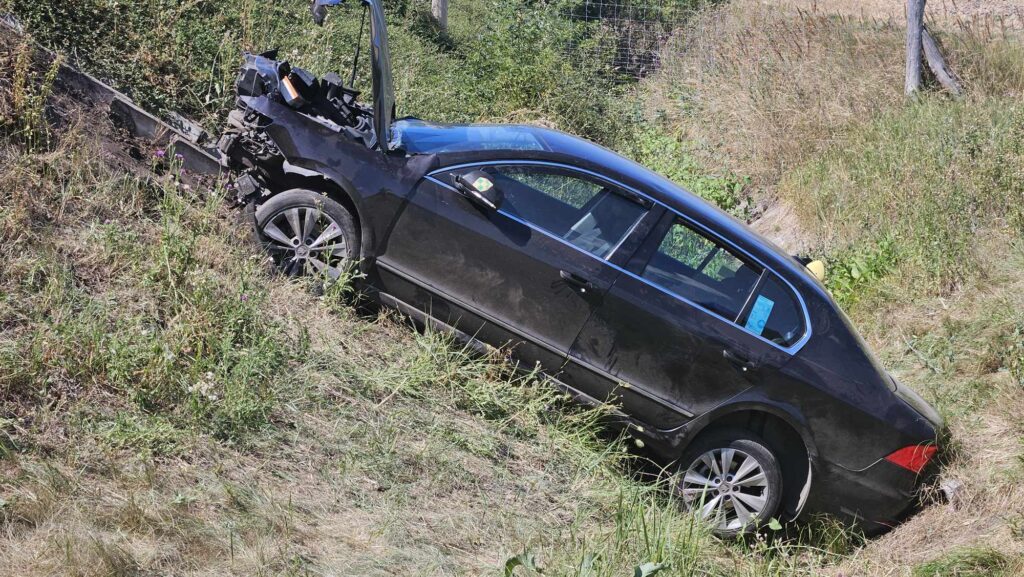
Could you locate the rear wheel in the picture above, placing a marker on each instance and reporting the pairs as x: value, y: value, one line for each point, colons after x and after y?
x: 307, y: 233
x: 732, y: 480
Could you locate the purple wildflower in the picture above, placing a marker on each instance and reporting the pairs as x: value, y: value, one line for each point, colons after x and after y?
x: 244, y: 297
x: 159, y: 153
x: 179, y: 157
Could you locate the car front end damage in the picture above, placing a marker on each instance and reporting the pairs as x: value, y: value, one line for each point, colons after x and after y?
x: 292, y: 100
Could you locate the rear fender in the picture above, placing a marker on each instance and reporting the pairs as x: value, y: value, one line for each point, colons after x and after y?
x: 782, y: 427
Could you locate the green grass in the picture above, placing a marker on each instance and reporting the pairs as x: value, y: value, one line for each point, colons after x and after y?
x: 913, y: 188
x: 169, y: 405
x: 981, y: 562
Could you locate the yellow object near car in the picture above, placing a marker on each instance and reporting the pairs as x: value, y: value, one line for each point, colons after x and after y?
x: 817, y: 268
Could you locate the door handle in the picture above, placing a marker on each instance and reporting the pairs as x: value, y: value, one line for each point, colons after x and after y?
x: 575, y: 280
x: 743, y: 363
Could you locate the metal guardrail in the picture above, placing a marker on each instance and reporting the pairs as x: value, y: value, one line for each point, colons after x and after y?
x: 186, y: 138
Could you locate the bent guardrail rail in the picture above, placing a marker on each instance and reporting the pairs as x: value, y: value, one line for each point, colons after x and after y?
x: 198, y: 151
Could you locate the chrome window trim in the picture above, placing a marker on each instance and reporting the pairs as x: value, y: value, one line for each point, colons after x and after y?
x: 545, y: 163
x: 618, y: 244
x: 792, y: 350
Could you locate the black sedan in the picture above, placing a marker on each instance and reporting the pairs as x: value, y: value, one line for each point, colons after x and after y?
x: 723, y: 354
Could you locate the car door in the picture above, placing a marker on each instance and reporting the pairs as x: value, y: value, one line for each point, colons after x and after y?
x: 692, y: 322
x: 526, y: 275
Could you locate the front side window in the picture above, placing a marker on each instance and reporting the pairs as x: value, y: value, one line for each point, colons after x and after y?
x: 775, y: 314
x: 702, y: 270
x: 587, y: 213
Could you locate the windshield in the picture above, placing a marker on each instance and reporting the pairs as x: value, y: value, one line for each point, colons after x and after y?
x: 418, y: 137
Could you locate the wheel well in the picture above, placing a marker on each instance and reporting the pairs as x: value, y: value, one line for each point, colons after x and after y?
x: 787, y: 444
x: 341, y: 197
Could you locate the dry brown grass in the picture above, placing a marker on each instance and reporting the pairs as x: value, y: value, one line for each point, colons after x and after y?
x: 762, y: 86
x: 943, y: 12
x: 768, y: 85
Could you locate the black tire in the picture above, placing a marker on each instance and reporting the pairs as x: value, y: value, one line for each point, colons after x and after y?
x: 741, y: 443
x: 295, y: 227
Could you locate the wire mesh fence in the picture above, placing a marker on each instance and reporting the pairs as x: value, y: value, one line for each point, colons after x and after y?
x: 637, y: 37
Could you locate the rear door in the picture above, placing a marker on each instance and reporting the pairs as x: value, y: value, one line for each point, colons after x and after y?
x: 692, y: 322
x: 527, y: 275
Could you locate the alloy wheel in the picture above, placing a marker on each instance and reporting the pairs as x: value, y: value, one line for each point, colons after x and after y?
x: 727, y: 487
x: 305, y: 240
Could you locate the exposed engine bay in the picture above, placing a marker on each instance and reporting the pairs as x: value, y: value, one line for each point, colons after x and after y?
x: 325, y: 99
x: 247, y: 147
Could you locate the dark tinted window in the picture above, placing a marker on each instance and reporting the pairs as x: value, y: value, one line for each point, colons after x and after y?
x: 584, y: 212
x: 702, y: 270
x: 775, y: 313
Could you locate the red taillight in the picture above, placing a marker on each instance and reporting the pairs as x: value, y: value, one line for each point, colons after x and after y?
x: 913, y: 458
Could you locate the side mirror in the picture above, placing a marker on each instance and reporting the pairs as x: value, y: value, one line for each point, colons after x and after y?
x: 319, y: 10
x: 478, y: 186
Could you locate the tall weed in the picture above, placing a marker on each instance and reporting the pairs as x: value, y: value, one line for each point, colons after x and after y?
x: 24, y: 116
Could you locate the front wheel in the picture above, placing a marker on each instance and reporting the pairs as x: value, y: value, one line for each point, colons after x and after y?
x: 732, y: 480
x: 307, y: 233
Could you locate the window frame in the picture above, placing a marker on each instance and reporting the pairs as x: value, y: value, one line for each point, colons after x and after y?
x: 615, y: 187
x: 639, y: 256
x: 718, y: 244
x: 657, y: 235
x: 767, y: 275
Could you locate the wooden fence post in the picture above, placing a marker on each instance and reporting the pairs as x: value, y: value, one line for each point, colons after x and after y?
x: 915, y: 26
x: 922, y: 47
x: 439, y: 9
x: 938, y: 66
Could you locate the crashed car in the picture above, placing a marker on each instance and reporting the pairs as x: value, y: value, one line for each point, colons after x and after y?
x: 719, y: 352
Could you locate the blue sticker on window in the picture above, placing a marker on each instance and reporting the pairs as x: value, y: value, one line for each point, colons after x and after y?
x: 759, y: 314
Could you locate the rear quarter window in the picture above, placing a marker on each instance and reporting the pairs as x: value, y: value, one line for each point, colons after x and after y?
x: 774, y: 313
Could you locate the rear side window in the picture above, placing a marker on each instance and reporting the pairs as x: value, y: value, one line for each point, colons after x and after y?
x: 702, y: 270
x: 586, y: 213
x: 775, y: 314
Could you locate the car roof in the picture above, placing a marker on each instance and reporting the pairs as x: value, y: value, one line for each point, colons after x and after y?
x: 479, y: 142
x: 470, y: 143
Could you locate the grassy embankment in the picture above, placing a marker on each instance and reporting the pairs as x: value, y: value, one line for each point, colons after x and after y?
x: 917, y: 206
x: 170, y: 407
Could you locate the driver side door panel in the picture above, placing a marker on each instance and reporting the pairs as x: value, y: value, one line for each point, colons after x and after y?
x: 507, y: 277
